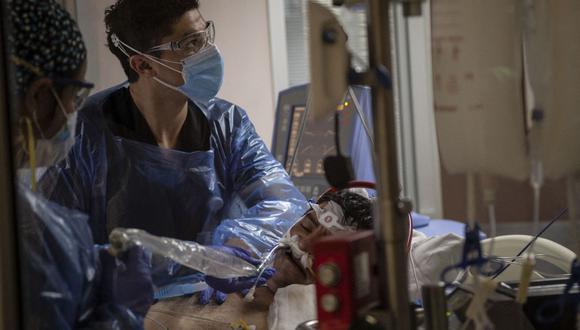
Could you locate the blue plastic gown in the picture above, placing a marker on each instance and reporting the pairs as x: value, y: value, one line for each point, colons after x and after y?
x: 235, y: 190
x: 61, y: 270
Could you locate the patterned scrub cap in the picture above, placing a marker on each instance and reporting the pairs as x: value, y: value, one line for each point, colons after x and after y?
x: 45, y: 40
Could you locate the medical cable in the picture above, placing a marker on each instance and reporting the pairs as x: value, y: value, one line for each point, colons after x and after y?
x: 266, y: 261
x: 362, y: 118
x: 414, y: 270
x: 520, y: 261
x: 410, y: 233
x: 539, y: 234
x: 263, y: 266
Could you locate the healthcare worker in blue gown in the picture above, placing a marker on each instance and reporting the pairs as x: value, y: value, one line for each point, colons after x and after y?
x: 162, y: 153
x: 67, y: 282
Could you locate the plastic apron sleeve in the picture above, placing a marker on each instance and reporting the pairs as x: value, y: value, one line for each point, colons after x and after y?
x: 272, y: 202
x: 58, y: 263
x: 193, y: 255
x: 61, y: 272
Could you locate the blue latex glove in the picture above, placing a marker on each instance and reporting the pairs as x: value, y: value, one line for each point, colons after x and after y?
x: 126, y: 280
x: 219, y: 288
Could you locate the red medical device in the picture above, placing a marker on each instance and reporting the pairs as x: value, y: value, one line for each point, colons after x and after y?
x: 347, y: 273
x: 345, y: 265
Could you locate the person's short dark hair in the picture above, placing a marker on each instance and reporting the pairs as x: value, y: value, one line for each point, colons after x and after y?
x: 358, y: 210
x: 142, y: 24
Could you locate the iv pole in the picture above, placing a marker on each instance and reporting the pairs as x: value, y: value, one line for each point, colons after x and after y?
x: 392, y: 211
x: 391, y: 227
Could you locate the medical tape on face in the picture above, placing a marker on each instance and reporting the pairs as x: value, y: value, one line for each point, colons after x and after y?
x: 331, y: 216
x: 120, y: 44
x: 292, y: 243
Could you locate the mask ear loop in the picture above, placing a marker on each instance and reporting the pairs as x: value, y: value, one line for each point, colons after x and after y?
x: 36, y: 124
x: 60, y: 105
x: 31, y: 143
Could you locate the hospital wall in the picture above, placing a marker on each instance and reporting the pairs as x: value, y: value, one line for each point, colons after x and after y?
x: 242, y: 34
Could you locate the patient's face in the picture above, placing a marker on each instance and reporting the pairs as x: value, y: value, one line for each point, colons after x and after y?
x: 308, y: 230
x: 289, y: 270
x: 344, y: 211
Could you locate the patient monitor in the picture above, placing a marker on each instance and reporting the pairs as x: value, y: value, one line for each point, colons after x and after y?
x: 318, y: 138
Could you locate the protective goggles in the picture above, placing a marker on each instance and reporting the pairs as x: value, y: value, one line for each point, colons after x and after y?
x: 82, y: 89
x: 192, y: 43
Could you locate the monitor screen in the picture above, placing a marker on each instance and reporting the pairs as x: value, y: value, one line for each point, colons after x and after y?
x: 318, y: 139
x: 317, y: 143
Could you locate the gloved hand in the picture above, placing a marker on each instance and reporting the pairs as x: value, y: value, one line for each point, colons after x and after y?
x: 126, y: 279
x: 219, y: 288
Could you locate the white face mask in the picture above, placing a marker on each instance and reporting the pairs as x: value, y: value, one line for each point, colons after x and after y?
x: 49, y: 152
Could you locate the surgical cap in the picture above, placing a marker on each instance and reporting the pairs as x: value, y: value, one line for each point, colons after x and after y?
x: 45, y: 41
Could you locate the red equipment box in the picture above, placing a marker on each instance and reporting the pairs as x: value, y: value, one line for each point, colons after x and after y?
x: 346, y: 278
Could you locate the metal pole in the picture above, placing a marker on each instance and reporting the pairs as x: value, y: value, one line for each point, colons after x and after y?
x: 435, y: 307
x: 391, y: 229
x: 10, y: 308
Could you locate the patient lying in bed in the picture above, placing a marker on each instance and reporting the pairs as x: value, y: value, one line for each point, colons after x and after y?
x: 345, y: 210
x: 288, y: 298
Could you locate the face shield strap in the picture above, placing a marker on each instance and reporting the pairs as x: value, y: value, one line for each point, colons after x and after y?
x: 60, y: 105
x: 121, y: 46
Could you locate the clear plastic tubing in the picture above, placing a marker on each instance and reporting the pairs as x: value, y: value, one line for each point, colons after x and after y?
x: 205, y: 259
